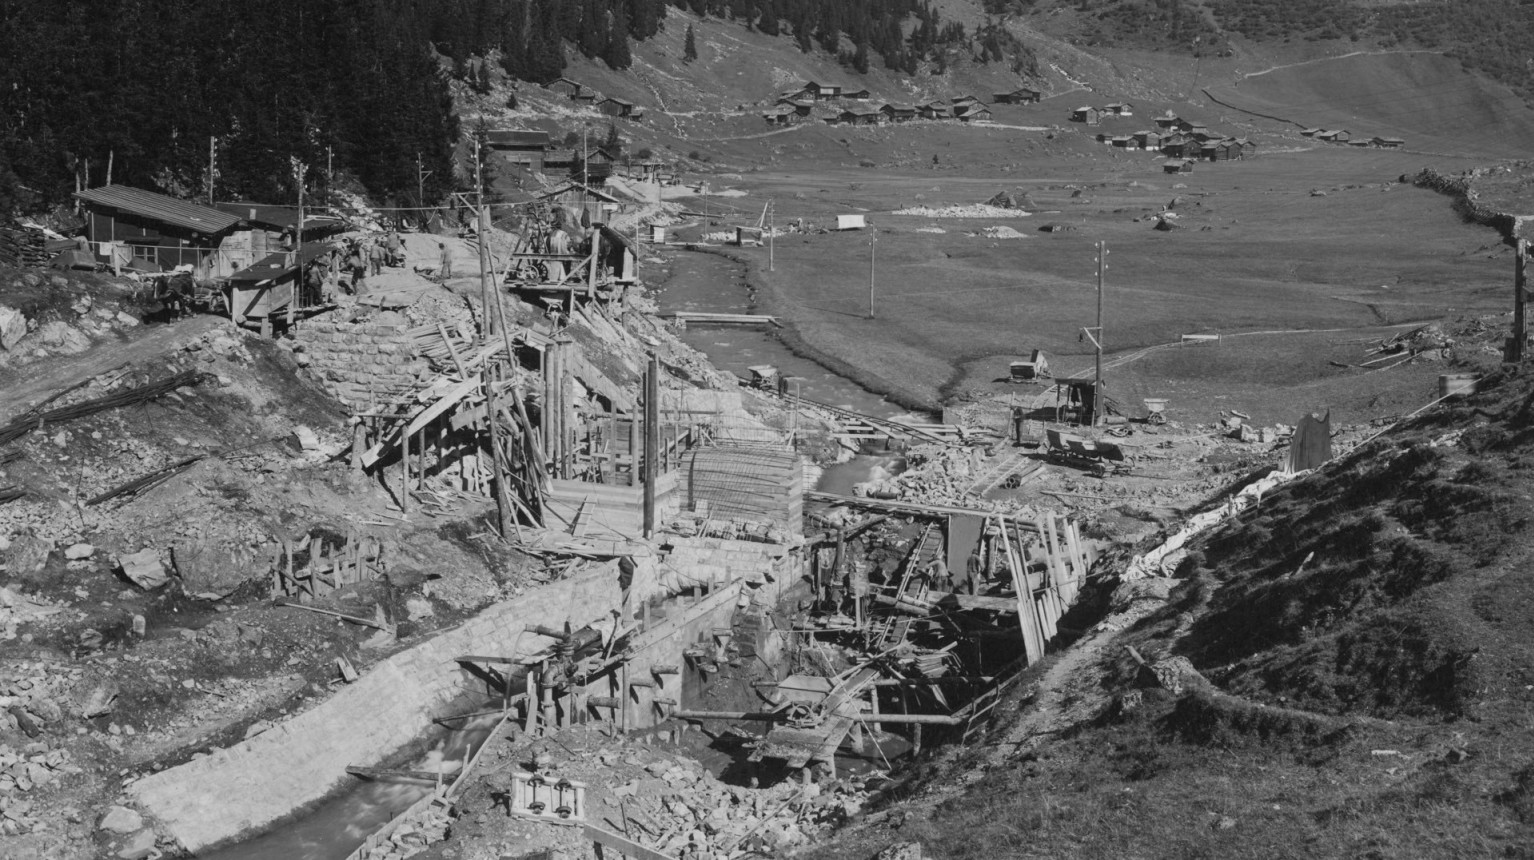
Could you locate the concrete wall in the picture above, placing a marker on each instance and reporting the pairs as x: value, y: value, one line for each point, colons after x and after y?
x: 255, y: 783
x: 362, y: 365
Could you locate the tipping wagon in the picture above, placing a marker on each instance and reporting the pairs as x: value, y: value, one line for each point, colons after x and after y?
x: 1099, y: 457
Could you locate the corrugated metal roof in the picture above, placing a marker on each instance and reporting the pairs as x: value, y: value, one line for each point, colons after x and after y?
x: 158, y: 207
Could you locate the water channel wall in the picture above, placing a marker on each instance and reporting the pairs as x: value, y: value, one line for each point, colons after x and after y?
x: 253, y: 784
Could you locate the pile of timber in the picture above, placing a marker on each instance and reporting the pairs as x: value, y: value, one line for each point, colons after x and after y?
x: 140, y: 394
x: 23, y: 247
x: 760, y: 485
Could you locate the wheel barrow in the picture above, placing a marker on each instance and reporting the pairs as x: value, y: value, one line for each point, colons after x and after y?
x: 1155, y: 410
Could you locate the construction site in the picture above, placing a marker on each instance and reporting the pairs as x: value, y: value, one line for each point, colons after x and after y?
x: 956, y: 480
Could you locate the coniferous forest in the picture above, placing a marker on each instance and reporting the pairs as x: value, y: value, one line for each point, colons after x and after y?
x: 357, y: 85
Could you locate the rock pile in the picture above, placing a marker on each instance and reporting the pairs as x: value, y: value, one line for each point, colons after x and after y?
x: 977, y: 210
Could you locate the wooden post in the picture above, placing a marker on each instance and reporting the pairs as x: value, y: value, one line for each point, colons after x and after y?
x: 873, y: 708
x: 591, y: 274
x: 404, y: 461
x: 359, y: 444
x: 634, y: 449
x: 651, y: 441
x: 1519, y: 336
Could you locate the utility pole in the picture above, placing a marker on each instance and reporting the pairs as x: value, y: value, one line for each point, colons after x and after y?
x: 873, y: 243
x: 420, y: 181
x: 330, y: 167
x: 484, y: 241
x: 212, y: 160
x: 1097, y: 339
x: 771, y: 232
x: 1520, y: 334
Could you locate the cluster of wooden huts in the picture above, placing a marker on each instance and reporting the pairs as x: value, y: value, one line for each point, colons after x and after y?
x: 582, y: 94
x: 1346, y: 137
x: 805, y: 104
x: 1183, y: 142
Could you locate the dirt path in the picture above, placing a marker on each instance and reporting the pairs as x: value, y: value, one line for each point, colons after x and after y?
x: 1246, y: 75
x: 21, y: 389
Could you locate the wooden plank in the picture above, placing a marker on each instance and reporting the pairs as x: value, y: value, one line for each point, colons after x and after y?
x: 1025, y: 617
x: 623, y: 845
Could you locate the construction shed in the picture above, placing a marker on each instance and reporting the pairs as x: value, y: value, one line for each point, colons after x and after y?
x: 168, y: 231
x: 760, y: 485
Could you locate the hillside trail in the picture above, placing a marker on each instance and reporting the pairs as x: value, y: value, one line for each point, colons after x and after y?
x: 1246, y: 75
x: 35, y: 382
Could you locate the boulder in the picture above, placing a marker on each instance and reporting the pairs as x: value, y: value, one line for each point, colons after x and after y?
x: 63, y: 338
x: 27, y: 554
x: 145, y: 569
x: 121, y: 819
x: 13, y: 327
x: 901, y: 851
x: 139, y: 847
x: 126, y: 319
x: 79, y: 551
x: 305, y: 438
x: 99, y: 700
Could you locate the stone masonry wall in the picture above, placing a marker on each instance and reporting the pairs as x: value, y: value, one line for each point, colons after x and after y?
x: 362, y: 365
x: 259, y: 781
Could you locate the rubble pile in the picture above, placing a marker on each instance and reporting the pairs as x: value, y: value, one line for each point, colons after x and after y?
x: 976, y: 210
x: 671, y: 803
x: 414, y: 835
x: 29, y: 703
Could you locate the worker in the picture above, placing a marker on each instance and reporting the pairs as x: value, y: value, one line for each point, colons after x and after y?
x: 973, y: 571
x: 376, y: 257
x: 446, y: 269
x: 396, y: 249
x: 1019, y: 417
x: 358, y: 264
x: 936, y: 575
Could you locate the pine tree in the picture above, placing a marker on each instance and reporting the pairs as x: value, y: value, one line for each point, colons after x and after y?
x: 689, y: 47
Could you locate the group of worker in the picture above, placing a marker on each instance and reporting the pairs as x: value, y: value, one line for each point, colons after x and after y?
x: 851, y: 570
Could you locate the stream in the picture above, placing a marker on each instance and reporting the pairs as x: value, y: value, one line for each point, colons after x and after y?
x: 339, y: 825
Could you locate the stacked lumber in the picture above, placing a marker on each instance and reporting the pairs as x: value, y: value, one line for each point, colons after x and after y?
x: 23, y: 247
x: 759, y: 485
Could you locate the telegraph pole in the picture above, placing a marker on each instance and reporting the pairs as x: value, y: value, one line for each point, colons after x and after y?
x: 1097, y: 376
x: 420, y: 182
x: 873, y: 243
x: 484, y: 241
x: 212, y: 159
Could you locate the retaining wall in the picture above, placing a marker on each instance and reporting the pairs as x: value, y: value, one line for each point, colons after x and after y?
x: 362, y: 365
x: 255, y: 783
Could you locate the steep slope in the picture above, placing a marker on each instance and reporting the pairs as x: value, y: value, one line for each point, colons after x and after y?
x: 1344, y: 670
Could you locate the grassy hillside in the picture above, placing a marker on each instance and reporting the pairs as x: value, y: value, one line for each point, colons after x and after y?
x: 1356, y: 679
x: 1428, y: 99
x: 1487, y: 36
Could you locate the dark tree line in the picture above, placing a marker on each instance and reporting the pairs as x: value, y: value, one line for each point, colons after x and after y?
x: 145, y: 85
x: 357, y: 85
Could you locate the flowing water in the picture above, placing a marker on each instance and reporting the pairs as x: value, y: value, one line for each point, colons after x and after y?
x: 338, y: 826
